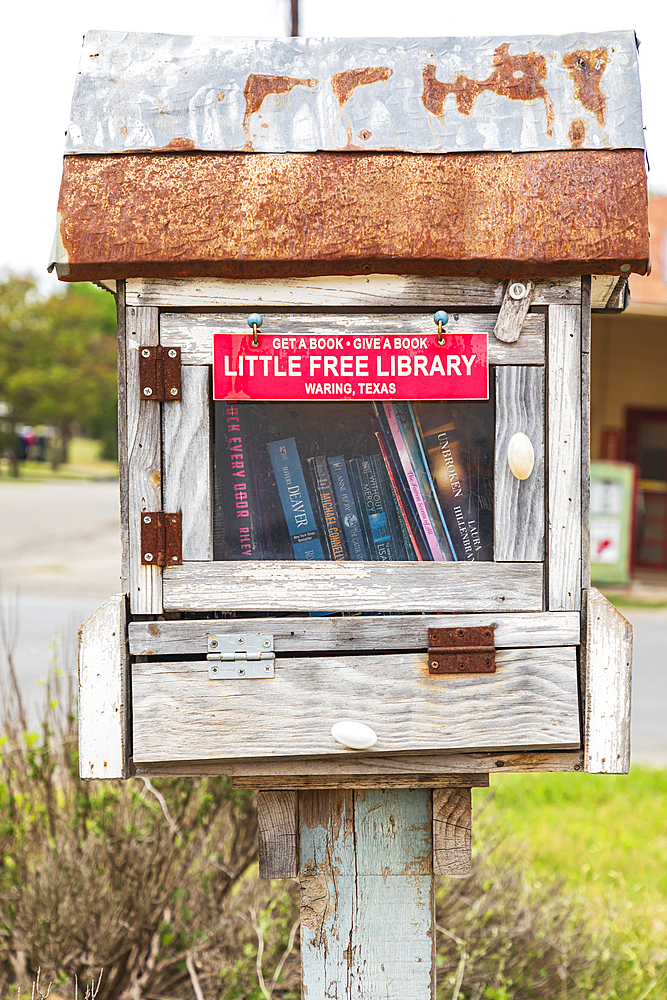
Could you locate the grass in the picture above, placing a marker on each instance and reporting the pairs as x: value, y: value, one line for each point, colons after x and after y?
x: 84, y: 463
x: 605, y: 838
x: 621, y: 601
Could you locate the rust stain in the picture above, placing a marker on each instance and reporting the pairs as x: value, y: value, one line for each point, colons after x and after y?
x: 123, y: 129
x: 586, y: 69
x: 344, y: 83
x: 569, y: 212
x: 365, y: 134
x: 258, y: 86
x: 577, y: 133
x: 220, y: 96
x: 179, y: 143
x: 521, y: 78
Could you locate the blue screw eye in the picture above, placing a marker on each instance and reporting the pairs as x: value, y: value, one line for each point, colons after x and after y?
x: 440, y: 317
x: 254, y: 319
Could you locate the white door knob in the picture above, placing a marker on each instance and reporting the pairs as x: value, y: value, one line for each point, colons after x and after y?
x: 520, y: 456
x: 354, y: 735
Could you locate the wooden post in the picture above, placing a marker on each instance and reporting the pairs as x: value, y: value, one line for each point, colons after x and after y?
x: 367, y: 914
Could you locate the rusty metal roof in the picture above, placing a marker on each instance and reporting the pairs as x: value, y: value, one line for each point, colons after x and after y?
x: 443, y: 95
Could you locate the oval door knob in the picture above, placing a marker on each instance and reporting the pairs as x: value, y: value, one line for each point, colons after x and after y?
x: 520, y: 456
x: 354, y: 735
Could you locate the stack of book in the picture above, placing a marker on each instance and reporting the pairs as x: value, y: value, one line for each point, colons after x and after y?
x: 404, y: 481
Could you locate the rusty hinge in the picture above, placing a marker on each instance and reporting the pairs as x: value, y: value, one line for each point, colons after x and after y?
x: 470, y: 650
x: 161, y: 538
x: 160, y: 373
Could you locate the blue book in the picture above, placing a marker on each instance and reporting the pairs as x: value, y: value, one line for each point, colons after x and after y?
x: 347, y: 508
x: 297, y: 508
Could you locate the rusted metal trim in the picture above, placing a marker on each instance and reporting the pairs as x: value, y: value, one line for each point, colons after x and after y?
x: 470, y: 650
x: 239, y: 215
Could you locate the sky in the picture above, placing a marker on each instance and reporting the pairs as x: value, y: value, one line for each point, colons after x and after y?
x: 42, y: 42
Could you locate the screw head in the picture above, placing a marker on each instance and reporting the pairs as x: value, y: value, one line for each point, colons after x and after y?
x: 148, y: 557
x: 173, y: 392
x: 148, y: 391
x: 267, y: 668
x: 212, y: 643
x: 174, y: 558
x: 266, y: 643
x: 434, y: 663
x: 214, y: 670
x: 172, y: 353
x: 518, y: 290
x: 240, y: 640
x: 145, y: 353
x: 625, y: 268
x: 147, y: 520
x: 241, y: 672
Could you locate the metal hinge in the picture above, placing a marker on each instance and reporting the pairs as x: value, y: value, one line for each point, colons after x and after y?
x: 470, y: 650
x: 161, y: 538
x: 160, y: 373
x: 243, y: 654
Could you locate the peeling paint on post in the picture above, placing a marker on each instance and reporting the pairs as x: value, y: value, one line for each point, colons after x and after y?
x: 367, y: 917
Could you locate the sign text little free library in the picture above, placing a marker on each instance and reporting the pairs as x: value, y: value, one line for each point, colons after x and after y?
x: 291, y: 368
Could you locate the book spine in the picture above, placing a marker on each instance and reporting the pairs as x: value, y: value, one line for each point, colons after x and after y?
x: 413, y: 483
x: 355, y: 480
x: 387, y: 501
x: 347, y: 509
x: 331, y: 522
x: 316, y: 503
x: 235, y: 486
x: 432, y: 485
x: 409, y: 539
x: 294, y: 497
x: 377, y: 508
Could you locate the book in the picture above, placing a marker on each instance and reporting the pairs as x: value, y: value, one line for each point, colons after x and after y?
x: 237, y: 532
x: 458, y: 440
x: 406, y: 525
x: 375, y: 502
x: 301, y: 523
x: 347, y: 509
x: 330, y: 522
x: 396, y: 420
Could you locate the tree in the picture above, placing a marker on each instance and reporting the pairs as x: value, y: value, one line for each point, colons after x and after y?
x: 58, y: 360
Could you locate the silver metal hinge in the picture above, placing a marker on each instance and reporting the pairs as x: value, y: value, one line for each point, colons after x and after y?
x: 240, y: 655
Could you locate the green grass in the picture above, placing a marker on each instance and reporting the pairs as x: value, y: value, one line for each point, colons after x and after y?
x: 84, y: 463
x: 605, y: 837
x: 621, y: 601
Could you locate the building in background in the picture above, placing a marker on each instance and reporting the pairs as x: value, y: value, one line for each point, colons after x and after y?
x: 629, y: 394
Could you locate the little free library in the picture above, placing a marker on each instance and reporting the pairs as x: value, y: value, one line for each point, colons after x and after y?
x: 354, y: 281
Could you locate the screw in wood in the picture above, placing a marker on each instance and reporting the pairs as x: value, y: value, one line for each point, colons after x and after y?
x: 145, y: 353
x: 241, y: 672
x: 148, y: 557
x: 213, y: 643
x: 172, y: 353
x: 434, y: 663
x: 148, y: 391
x: 147, y: 520
x: 174, y: 392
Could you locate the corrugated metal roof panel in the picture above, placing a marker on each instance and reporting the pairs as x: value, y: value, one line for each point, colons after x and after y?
x: 443, y: 95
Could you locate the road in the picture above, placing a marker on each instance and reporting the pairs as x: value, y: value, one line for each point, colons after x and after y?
x: 60, y: 558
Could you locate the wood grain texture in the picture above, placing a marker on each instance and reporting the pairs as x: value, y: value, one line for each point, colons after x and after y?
x: 187, y: 476
x: 585, y: 432
x: 353, y: 586
x: 144, y: 452
x: 602, y: 287
x: 193, y: 332
x: 519, y: 505
x: 123, y: 471
x: 512, y: 314
x: 608, y: 687
x: 353, y: 291
x: 353, y: 633
x: 564, y: 444
x: 367, y: 895
x: 529, y: 703
x: 452, y: 831
x: 278, y: 833
x: 364, y: 781
x: 427, y: 766
x: 103, y: 692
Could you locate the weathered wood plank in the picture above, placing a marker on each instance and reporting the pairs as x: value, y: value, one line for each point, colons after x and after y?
x: 188, y: 483
x: 278, y: 833
x: 193, y: 332
x: 353, y: 633
x: 123, y: 472
x: 103, y: 692
x: 564, y: 443
x: 427, y: 766
x: 452, y: 831
x: 144, y: 462
x: 353, y: 586
x: 513, y: 313
x: 364, y: 856
x: 529, y: 703
x: 608, y: 291
x: 364, y: 781
x: 355, y: 291
x: 519, y: 504
x: 608, y: 683
x: 585, y: 432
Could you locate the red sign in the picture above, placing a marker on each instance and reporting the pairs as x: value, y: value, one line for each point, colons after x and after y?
x: 350, y: 367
